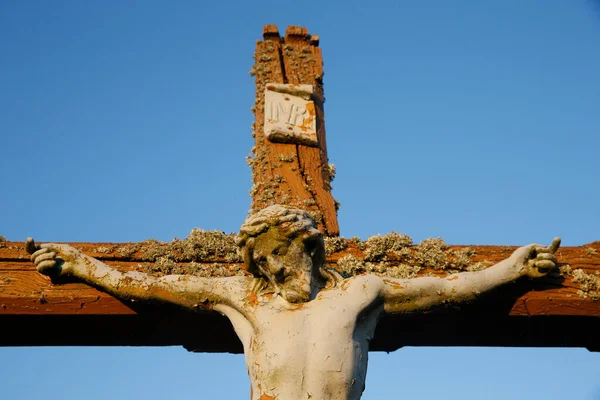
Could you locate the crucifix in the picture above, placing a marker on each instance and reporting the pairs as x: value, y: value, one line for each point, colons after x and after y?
x: 304, y: 303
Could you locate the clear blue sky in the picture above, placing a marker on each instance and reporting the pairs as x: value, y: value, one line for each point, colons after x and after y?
x: 476, y: 121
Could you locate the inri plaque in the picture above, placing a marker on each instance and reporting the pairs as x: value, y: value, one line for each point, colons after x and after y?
x: 290, y: 114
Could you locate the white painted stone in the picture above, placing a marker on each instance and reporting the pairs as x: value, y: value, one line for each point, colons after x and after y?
x: 290, y: 114
x: 305, y: 330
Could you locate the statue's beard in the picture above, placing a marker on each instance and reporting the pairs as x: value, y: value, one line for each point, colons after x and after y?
x: 295, y: 294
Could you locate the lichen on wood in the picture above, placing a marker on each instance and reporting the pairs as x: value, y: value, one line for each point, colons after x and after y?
x: 377, y: 247
x: 166, y: 266
x: 215, y: 254
x: 589, y: 284
x: 394, y: 255
x: 350, y: 265
x: 335, y: 244
x: 432, y: 253
x: 198, y: 246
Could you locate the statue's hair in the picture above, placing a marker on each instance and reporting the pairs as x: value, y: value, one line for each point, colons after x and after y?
x: 292, y: 222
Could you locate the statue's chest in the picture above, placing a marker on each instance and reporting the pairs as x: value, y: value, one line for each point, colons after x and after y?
x: 318, y: 348
x: 319, y: 351
x: 320, y: 334
x: 316, y: 321
x: 333, y: 318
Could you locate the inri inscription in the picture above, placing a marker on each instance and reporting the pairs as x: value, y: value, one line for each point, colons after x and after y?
x: 290, y: 115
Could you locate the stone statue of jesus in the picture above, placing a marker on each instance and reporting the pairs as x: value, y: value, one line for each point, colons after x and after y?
x: 305, y: 329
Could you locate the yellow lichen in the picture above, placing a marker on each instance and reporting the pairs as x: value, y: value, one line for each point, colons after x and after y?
x: 211, y: 253
x: 478, y: 266
x: 287, y: 159
x: 350, y: 265
x: 165, y: 266
x: 105, y: 249
x: 462, y: 258
x: 589, y: 284
x: 201, y: 245
x: 127, y: 250
x: 357, y: 242
x: 403, y: 271
x: 431, y: 253
x: 565, y: 270
x: 330, y: 172
x: 377, y: 247
x: 335, y: 244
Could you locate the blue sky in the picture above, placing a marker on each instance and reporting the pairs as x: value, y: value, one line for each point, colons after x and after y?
x: 476, y: 121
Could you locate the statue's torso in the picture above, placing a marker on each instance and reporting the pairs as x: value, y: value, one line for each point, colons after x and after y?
x: 315, y: 350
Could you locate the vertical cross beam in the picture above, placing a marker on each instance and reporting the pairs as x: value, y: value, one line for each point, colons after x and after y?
x: 289, y: 159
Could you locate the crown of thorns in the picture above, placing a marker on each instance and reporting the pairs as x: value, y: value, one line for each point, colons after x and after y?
x: 292, y: 221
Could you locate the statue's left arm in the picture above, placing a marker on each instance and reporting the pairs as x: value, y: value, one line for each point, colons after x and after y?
x: 408, y: 295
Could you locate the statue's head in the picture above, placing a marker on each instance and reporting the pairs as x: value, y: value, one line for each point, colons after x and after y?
x: 283, y: 246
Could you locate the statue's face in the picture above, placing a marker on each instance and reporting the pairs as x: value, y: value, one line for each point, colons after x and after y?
x: 291, y: 265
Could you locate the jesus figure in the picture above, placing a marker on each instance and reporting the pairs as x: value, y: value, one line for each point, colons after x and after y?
x: 304, y: 328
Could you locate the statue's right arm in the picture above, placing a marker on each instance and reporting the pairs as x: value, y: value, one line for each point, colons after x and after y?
x: 422, y: 293
x: 187, y: 291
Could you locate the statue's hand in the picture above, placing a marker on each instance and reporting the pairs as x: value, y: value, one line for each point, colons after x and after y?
x: 53, y: 259
x: 535, y: 260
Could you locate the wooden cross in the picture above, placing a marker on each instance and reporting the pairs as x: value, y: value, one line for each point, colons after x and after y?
x: 290, y: 166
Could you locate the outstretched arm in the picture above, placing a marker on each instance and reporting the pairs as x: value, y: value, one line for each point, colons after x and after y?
x: 416, y: 294
x: 186, y: 291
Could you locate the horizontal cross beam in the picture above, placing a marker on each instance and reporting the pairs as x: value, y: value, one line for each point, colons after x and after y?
x: 555, y: 311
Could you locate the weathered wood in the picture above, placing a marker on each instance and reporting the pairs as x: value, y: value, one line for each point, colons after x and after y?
x: 288, y: 173
x: 546, y: 312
